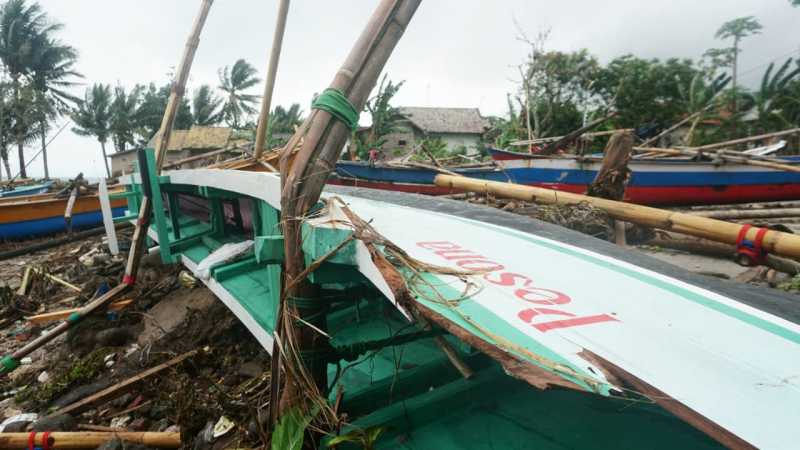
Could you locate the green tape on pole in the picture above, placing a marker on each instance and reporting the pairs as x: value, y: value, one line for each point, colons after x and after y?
x: 336, y: 103
x: 74, y: 317
x: 9, y: 364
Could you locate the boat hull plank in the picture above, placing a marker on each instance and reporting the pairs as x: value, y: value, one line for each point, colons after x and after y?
x: 554, y: 304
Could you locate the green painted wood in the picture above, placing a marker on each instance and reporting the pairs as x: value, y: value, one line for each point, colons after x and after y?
x: 319, y: 241
x: 159, y: 215
x: 269, y: 249
x: 230, y: 270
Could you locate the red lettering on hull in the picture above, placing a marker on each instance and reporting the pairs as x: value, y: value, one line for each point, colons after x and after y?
x: 523, y: 286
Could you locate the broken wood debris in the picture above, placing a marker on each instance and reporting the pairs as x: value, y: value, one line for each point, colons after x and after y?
x: 121, y: 387
x: 65, y: 313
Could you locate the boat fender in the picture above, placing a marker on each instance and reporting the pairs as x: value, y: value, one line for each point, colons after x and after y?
x: 751, y: 253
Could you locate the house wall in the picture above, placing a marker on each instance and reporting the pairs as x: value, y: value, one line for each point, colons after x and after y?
x: 455, y: 141
x: 400, y: 142
x: 406, y: 137
x: 126, y: 162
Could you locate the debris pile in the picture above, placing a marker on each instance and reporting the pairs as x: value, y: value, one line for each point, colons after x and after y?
x: 173, y: 363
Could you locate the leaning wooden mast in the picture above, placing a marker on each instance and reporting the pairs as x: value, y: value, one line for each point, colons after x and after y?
x: 309, y: 158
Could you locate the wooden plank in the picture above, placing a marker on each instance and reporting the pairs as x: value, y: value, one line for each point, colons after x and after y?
x: 65, y: 313
x: 108, y: 217
x: 121, y: 388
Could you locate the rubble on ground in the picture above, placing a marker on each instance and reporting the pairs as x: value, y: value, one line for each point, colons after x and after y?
x: 221, y: 386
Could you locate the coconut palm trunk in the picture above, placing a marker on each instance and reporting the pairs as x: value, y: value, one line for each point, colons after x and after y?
x: 7, y: 165
x: 20, y: 134
x: 43, y: 135
x: 105, y: 158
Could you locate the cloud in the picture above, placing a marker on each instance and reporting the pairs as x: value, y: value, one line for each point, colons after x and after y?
x: 455, y: 52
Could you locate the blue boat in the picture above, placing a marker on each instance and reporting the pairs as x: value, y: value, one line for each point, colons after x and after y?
x: 31, y: 189
x: 404, y: 179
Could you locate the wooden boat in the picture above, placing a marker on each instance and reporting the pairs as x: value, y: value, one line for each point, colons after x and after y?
x: 654, y: 181
x: 31, y: 189
x: 40, y: 215
x: 658, y: 181
x: 635, y: 346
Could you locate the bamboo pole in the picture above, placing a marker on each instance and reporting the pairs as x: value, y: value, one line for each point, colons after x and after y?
x: 64, y: 440
x: 673, y: 128
x: 741, y: 214
x: 304, y: 173
x: 749, y: 139
x: 269, y: 85
x: 162, y: 140
x: 555, y: 138
x: 725, y: 155
x: 777, y: 242
x: 145, y: 210
x: 554, y: 146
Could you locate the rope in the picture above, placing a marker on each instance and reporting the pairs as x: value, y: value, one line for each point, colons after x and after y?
x: 336, y: 103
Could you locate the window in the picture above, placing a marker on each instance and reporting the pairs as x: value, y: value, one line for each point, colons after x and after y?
x: 402, y: 142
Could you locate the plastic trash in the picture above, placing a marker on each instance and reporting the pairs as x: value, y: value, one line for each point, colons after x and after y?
x: 222, y: 255
x: 27, y: 417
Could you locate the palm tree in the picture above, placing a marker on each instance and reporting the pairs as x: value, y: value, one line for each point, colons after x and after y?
x: 24, y: 32
x: 699, y: 98
x: 93, y: 117
x: 738, y: 29
x: 124, y: 109
x: 769, y: 97
x: 6, y: 125
x: 206, y: 107
x: 283, y: 121
x: 234, y: 81
x: 51, y: 73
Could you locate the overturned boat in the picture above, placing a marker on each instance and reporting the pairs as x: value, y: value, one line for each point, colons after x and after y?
x: 630, y: 352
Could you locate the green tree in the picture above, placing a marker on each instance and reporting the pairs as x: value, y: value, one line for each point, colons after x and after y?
x: 123, y: 121
x: 505, y: 130
x: 767, y: 101
x: 52, y: 74
x: 699, y: 96
x: 151, y: 111
x: 283, y: 121
x: 383, y: 114
x: 6, y: 124
x: 644, y: 90
x: 234, y: 81
x: 25, y: 31
x: 93, y: 117
x: 206, y: 107
x: 555, y: 94
x: 737, y: 29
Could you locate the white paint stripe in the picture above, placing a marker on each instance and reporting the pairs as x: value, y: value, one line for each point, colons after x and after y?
x: 108, y: 217
x: 262, y: 336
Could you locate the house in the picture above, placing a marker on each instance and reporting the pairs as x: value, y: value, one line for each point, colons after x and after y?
x: 458, y: 128
x: 182, y: 144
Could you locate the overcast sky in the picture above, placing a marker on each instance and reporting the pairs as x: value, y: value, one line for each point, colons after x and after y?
x: 455, y: 53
